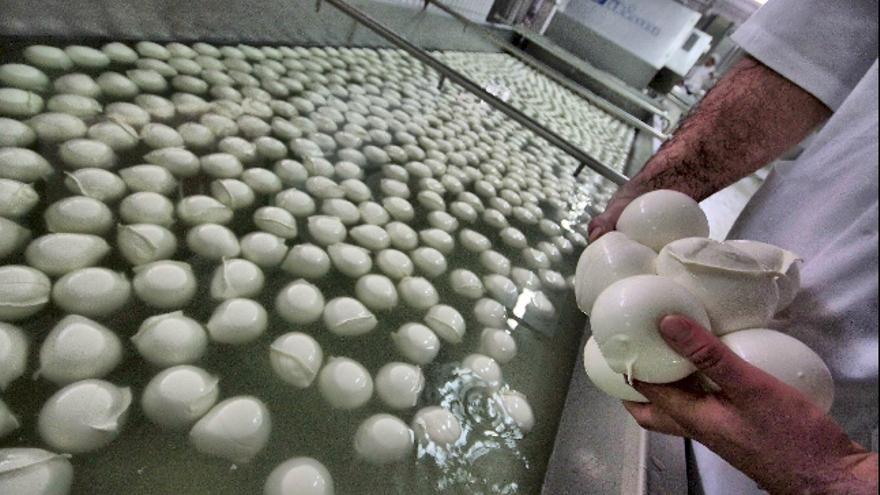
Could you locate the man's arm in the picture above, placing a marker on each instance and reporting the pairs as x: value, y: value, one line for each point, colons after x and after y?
x: 751, y: 117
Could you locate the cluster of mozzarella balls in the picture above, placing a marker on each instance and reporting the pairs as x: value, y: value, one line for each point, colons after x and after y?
x: 163, y: 150
x: 583, y: 124
x: 659, y: 263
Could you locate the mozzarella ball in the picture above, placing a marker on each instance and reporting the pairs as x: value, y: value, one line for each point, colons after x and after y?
x: 606, y: 379
x: 265, y: 249
x: 783, y: 262
x: 92, y: 292
x: 345, y: 384
x: 84, y: 416
x: 177, y: 397
x: 165, y: 284
x: 199, y: 209
x: 55, y: 127
x: 483, y: 367
x: 78, y: 348
x: 371, y: 237
x: 147, y: 207
x: 437, y: 239
x: 16, y: 199
x: 48, y: 57
x: 417, y: 293
x: 737, y: 291
x: 13, y: 354
x: 236, y: 429
x: 34, y: 471
x: 626, y: 319
x: 307, y: 260
x: 8, y: 423
x: 80, y: 215
x: 395, y: 264
x: 237, y: 322
x: 213, y: 241
x: 57, y: 254
x: 490, y: 313
x: 170, y: 339
x: 348, y: 317
x: 446, y: 322
x: 179, y: 161
x: 474, y: 241
x: 19, y: 103
x: 296, y: 359
x: 429, y: 261
x: 502, y: 289
x: 87, y: 153
x: 144, y: 243
x: 383, y: 439
x: 377, y: 292
x: 302, y: 476
x: 466, y: 284
x: 300, y: 303
x: 400, y: 385
x: 787, y: 359
x: 612, y: 258
x: 435, y: 426
x: 326, y: 230
x: 417, y: 343
x: 399, y: 208
x: 498, y: 344
x: 517, y: 409
x: 12, y: 238
x: 233, y: 193
x: 402, y: 236
x: 96, y: 183
x: 150, y: 178
x: 353, y: 261
x: 660, y: 217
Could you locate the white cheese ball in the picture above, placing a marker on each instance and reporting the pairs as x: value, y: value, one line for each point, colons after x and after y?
x: 377, y: 292
x: 436, y: 427
x: 517, y: 410
x: 429, y: 261
x: 485, y: 368
x: 402, y: 236
x: 8, y: 423
x: 417, y: 293
x: 23, y: 165
x: 399, y: 208
x: 612, y: 258
x: 213, y: 241
x: 233, y: 193
x: 371, y: 237
x: 307, y: 261
x: 296, y: 359
x: 417, y: 343
x: 495, y: 262
x: 502, y: 289
x: 447, y: 323
x: 657, y: 218
x: 92, y: 292
x: 13, y: 354
x: 606, y: 379
x: 345, y: 384
x: 18, y: 103
x: 473, y: 241
x: 276, y: 221
x: 177, y: 397
x: 145, y: 243
x: 23, y: 292
x: 348, y: 317
x: 84, y: 416
x: 237, y: 321
x: 15, y: 134
x: 300, y: 303
x: 236, y: 278
x: 498, y: 344
x: 34, y: 472
x: 326, y: 230
x: 302, y: 476
x: 787, y: 359
x: 12, y: 237
x: 48, y: 57
x: 57, y: 254
x: 151, y: 178
x: 198, y: 209
x: 116, y: 134
x: 236, y: 429
x: 78, y: 348
x: 147, y: 207
x: 80, y: 215
x: 437, y: 239
x: 17, y: 199
x: 170, y: 339
x: 53, y: 127
x: 165, y: 284
x: 96, y: 183
x: 384, y: 439
x: 87, y: 153
x: 736, y: 289
x: 779, y: 260
x: 179, y: 161
x: 466, y: 283
x: 265, y: 249
x: 490, y: 313
x: 400, y: 385
x: 350, y: 260
x: 626, y: 319
x: 395, y: 264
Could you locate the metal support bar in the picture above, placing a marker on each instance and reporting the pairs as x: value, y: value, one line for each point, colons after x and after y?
x: 556, y: 75
x: 472, y: 87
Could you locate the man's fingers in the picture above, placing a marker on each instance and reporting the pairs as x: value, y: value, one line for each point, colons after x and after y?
x: 670, y: 397
x: 651, y: 418
x: 708, y: 354
x: 598, y: 228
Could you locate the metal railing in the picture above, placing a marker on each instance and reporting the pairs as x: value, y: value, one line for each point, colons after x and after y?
x: 560, y: 78
x: 456, y: 77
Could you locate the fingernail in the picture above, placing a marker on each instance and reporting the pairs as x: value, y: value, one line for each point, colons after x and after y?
x: 675, y: 329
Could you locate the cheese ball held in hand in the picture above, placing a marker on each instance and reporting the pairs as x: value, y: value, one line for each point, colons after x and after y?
x: 657, y: 218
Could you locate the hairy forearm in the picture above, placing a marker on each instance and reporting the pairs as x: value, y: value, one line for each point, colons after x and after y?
x: 750, y: 118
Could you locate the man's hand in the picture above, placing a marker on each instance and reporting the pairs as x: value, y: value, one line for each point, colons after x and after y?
x: 763, y: 427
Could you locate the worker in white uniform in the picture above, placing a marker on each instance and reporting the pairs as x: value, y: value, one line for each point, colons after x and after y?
x: 811, y: 63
